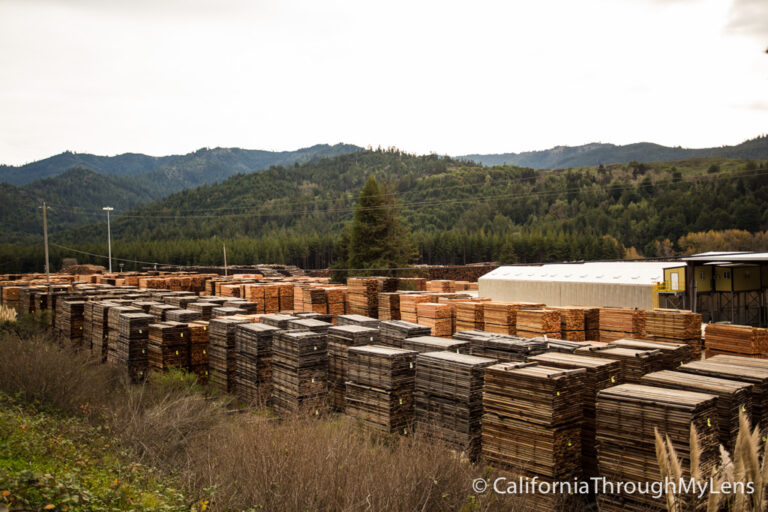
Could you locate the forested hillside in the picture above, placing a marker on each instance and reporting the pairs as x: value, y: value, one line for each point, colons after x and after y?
x: 459, y: 212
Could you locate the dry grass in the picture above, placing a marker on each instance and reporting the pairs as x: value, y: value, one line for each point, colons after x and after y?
x: 7, y: 314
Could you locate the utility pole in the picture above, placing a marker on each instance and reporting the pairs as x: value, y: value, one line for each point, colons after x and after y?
x: 45, y: 241
x: 109, y: 236
x: 223, y: 245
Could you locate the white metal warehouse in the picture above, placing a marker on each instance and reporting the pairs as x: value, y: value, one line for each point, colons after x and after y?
x: 623, y: 284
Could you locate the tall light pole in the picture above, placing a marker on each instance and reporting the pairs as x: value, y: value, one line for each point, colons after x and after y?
x: 45, y: 241
x: 109, y: 236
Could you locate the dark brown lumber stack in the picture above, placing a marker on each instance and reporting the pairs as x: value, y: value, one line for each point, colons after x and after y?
x: 675, y: 354
x: 359, y: 320
x: 739, y: 340
x: 253, y: 363
x: 221, y: 352
x: 340, y: 339
x: 634, y: 362
x: 299, y: 372
x: 502, y: 347
x: 393, y: 332
x: 434, y: 344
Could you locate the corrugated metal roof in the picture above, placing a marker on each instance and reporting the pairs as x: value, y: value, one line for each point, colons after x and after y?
x: 614, y: 272
x: 728, y: 256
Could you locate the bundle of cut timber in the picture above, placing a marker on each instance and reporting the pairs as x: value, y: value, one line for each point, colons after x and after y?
x: 203, y: 308
x: 69, y: 322
x: 732, y: 397
x: 315, y: 316
x: 250, y: 308
x: 502, y: 347
x: 180, y: 301
x: 436, y: 316
x: 299, y: 372
x: 310, y: 324
x: 100, y: 329
x: 145, y: 305
x: 393, y: 332
x: 571, y: 323
x: 253, y: 364
x: 131, y: 350
x: 278, y: 320
x: 11, y: 297
x: 87, y: 325
x: 532, y: 419
x: 434, y: 344
x: 340, y: 339
x: 469, y: 316
x: 501, y: 317
x: 229, y: 290
x: 113, y: 325
x: 441, y: 285
x: 592, y: 323
x: 182, y: 315
x: 538, y: 322
x: 676, y: 325
x: 364, y: 296
x: 315, y: 299
x: 389, y: 306
x: 337, y: 304
x: 565, y: 346
x: 359, y: 320
x: 600, y: 374
x: 626, y: 418
x: 736, y: 339
x: 285, y: 297
x: 675, y: 354
x: 408, y: 303
x: 298, y: 298
x: 198, y: 349
x: 255, y: 293
x: 379, y: 387
x: 448, y: 398
x: 221, y: 351
x: 271, y: 298
x: 158, y: 311
x: 617, y: 323
x: 634, y: 362
x: 166, y: 347
x: 224, y: 311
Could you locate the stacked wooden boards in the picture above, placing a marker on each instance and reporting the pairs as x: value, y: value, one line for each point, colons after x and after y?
x: 113, y: 329
x: 253, y: 362
x: 742, y: 340
x: 278, y: 320
x: 469, y: 316
x: 100, y: 329
x: 409, y: 303
x: 340, y: 339
x: 309, y: 324
x: 617, y: 323
x: 364, y: 296
x: 221, y: 351
x: 380, y: 382
x: 627, y: 416
x: 600, y: 374
x: 571, y: 323
x: 501, y: 317
x: 538, y: 322
x: 393, y: 332
x: 675, y: 325
x: 732, y: 397
x: 389, y: 306
x: 448, y: 396
x: 198, y: 349
x: 131, y: 350
x: 69, y: 322
x: 299, y: 372
x: 435, y: 344
x: 634, y: 363
x: 675, y: 354
x: 359, y: 320
x: 166, y: 346
x: 438, y: 317
x: 502, y: 347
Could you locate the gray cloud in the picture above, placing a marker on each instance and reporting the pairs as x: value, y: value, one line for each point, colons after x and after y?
x: 749, y: 17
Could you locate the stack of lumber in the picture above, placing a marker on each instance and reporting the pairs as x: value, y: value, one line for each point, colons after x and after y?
x: 393, y: 332
x: 278, y: 320
x: 166, y: 347
x: 315, y: 316
x: 617, y: 323
x: 250, y: 308
x: 571, y: 323
x: 340, y: 339
x: 532, y: 323
x: 113, y: 326
x: 255, y: 293
x: 675, y: 354
x: 732, y: 397
x: 359, y: 320
x: 159, y: 311
x: 379, y: 387
x: 567, y: 347
x: 182, y: 315
x: 228, y: 290
x: 675, y: 325
x: 253, y: 364
x: 448, y: 399
x: 634, y: 363
x: 364, y: 296
x: 299, y: 372
x: 204, y: 308
x: 441, y: 286
x: 592, y: 324
x: 337, y: 304
x: 470, y: 315
x: 26, y: 305
x: 737, y: 340
x: 99, y: 329
x: 223, y: 311
x: 315, y: 300
x: 221, y: 351
x: 69, y: 322
x: 626, y: 418
x: 132, y: 341
x: 532, y: 419
x: 389, y: 306
x: 434, y: 344
x: 88, y: 325
x: 600, y: 374
x: 502, y: 347
x: 11, y: 297
x: 198, y: 349
x: 180, y: 301
x: 285, y: 297
x: 298, y: 298
x: 501, y: 317
x: 438, y: 317
x: 145, y: 305
x: 408, y: 303
x: 310, y: 324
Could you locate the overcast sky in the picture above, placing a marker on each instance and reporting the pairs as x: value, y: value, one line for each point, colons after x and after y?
x: 164, y: 77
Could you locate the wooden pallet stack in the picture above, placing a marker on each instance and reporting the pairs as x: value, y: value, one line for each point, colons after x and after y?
x: 364, y: 296
x: 408, y: 304
x: 532, y: 420
x: 600, y: 374
x: 626, y: 418
x: 221, y: 352
x: 441, y: 286
x: 423, y: 344
x: 448, y: 399
x: 69, y: 322
x: 340, y: 339
x: 299, y: 372
x: 532, y: 323
x: 675, y: 354
x: 336, y: 297
x: 737, y: 340
x: 393, y: 332
x: 132, y: 343
x: 166, y: 348
x: 501, y: 347
x: 379, y: 387
x: 732, y: 397
x: 253, y: 362
x: 470, y: 316
x: 634, y: 363
x: 572, y: 327
x: 198, y: 350
x: 618, y: 323
x: 359, y: 320
x: 438, y: 317
x: 389, y: 306
x: 675, y: 325
x: 501, y: 317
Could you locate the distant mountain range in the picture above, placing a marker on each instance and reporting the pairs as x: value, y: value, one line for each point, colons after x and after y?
x: 563, y: 157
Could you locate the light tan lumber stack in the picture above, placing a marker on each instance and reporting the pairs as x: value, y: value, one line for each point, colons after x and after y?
x: 532, y: 323
x: 738, y: 340
x: 571, y: 323
x: 408, y: 302
x: 501, y: 317
x: 675, y: 325
x: 617, y: 323
x: 470, y: 316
